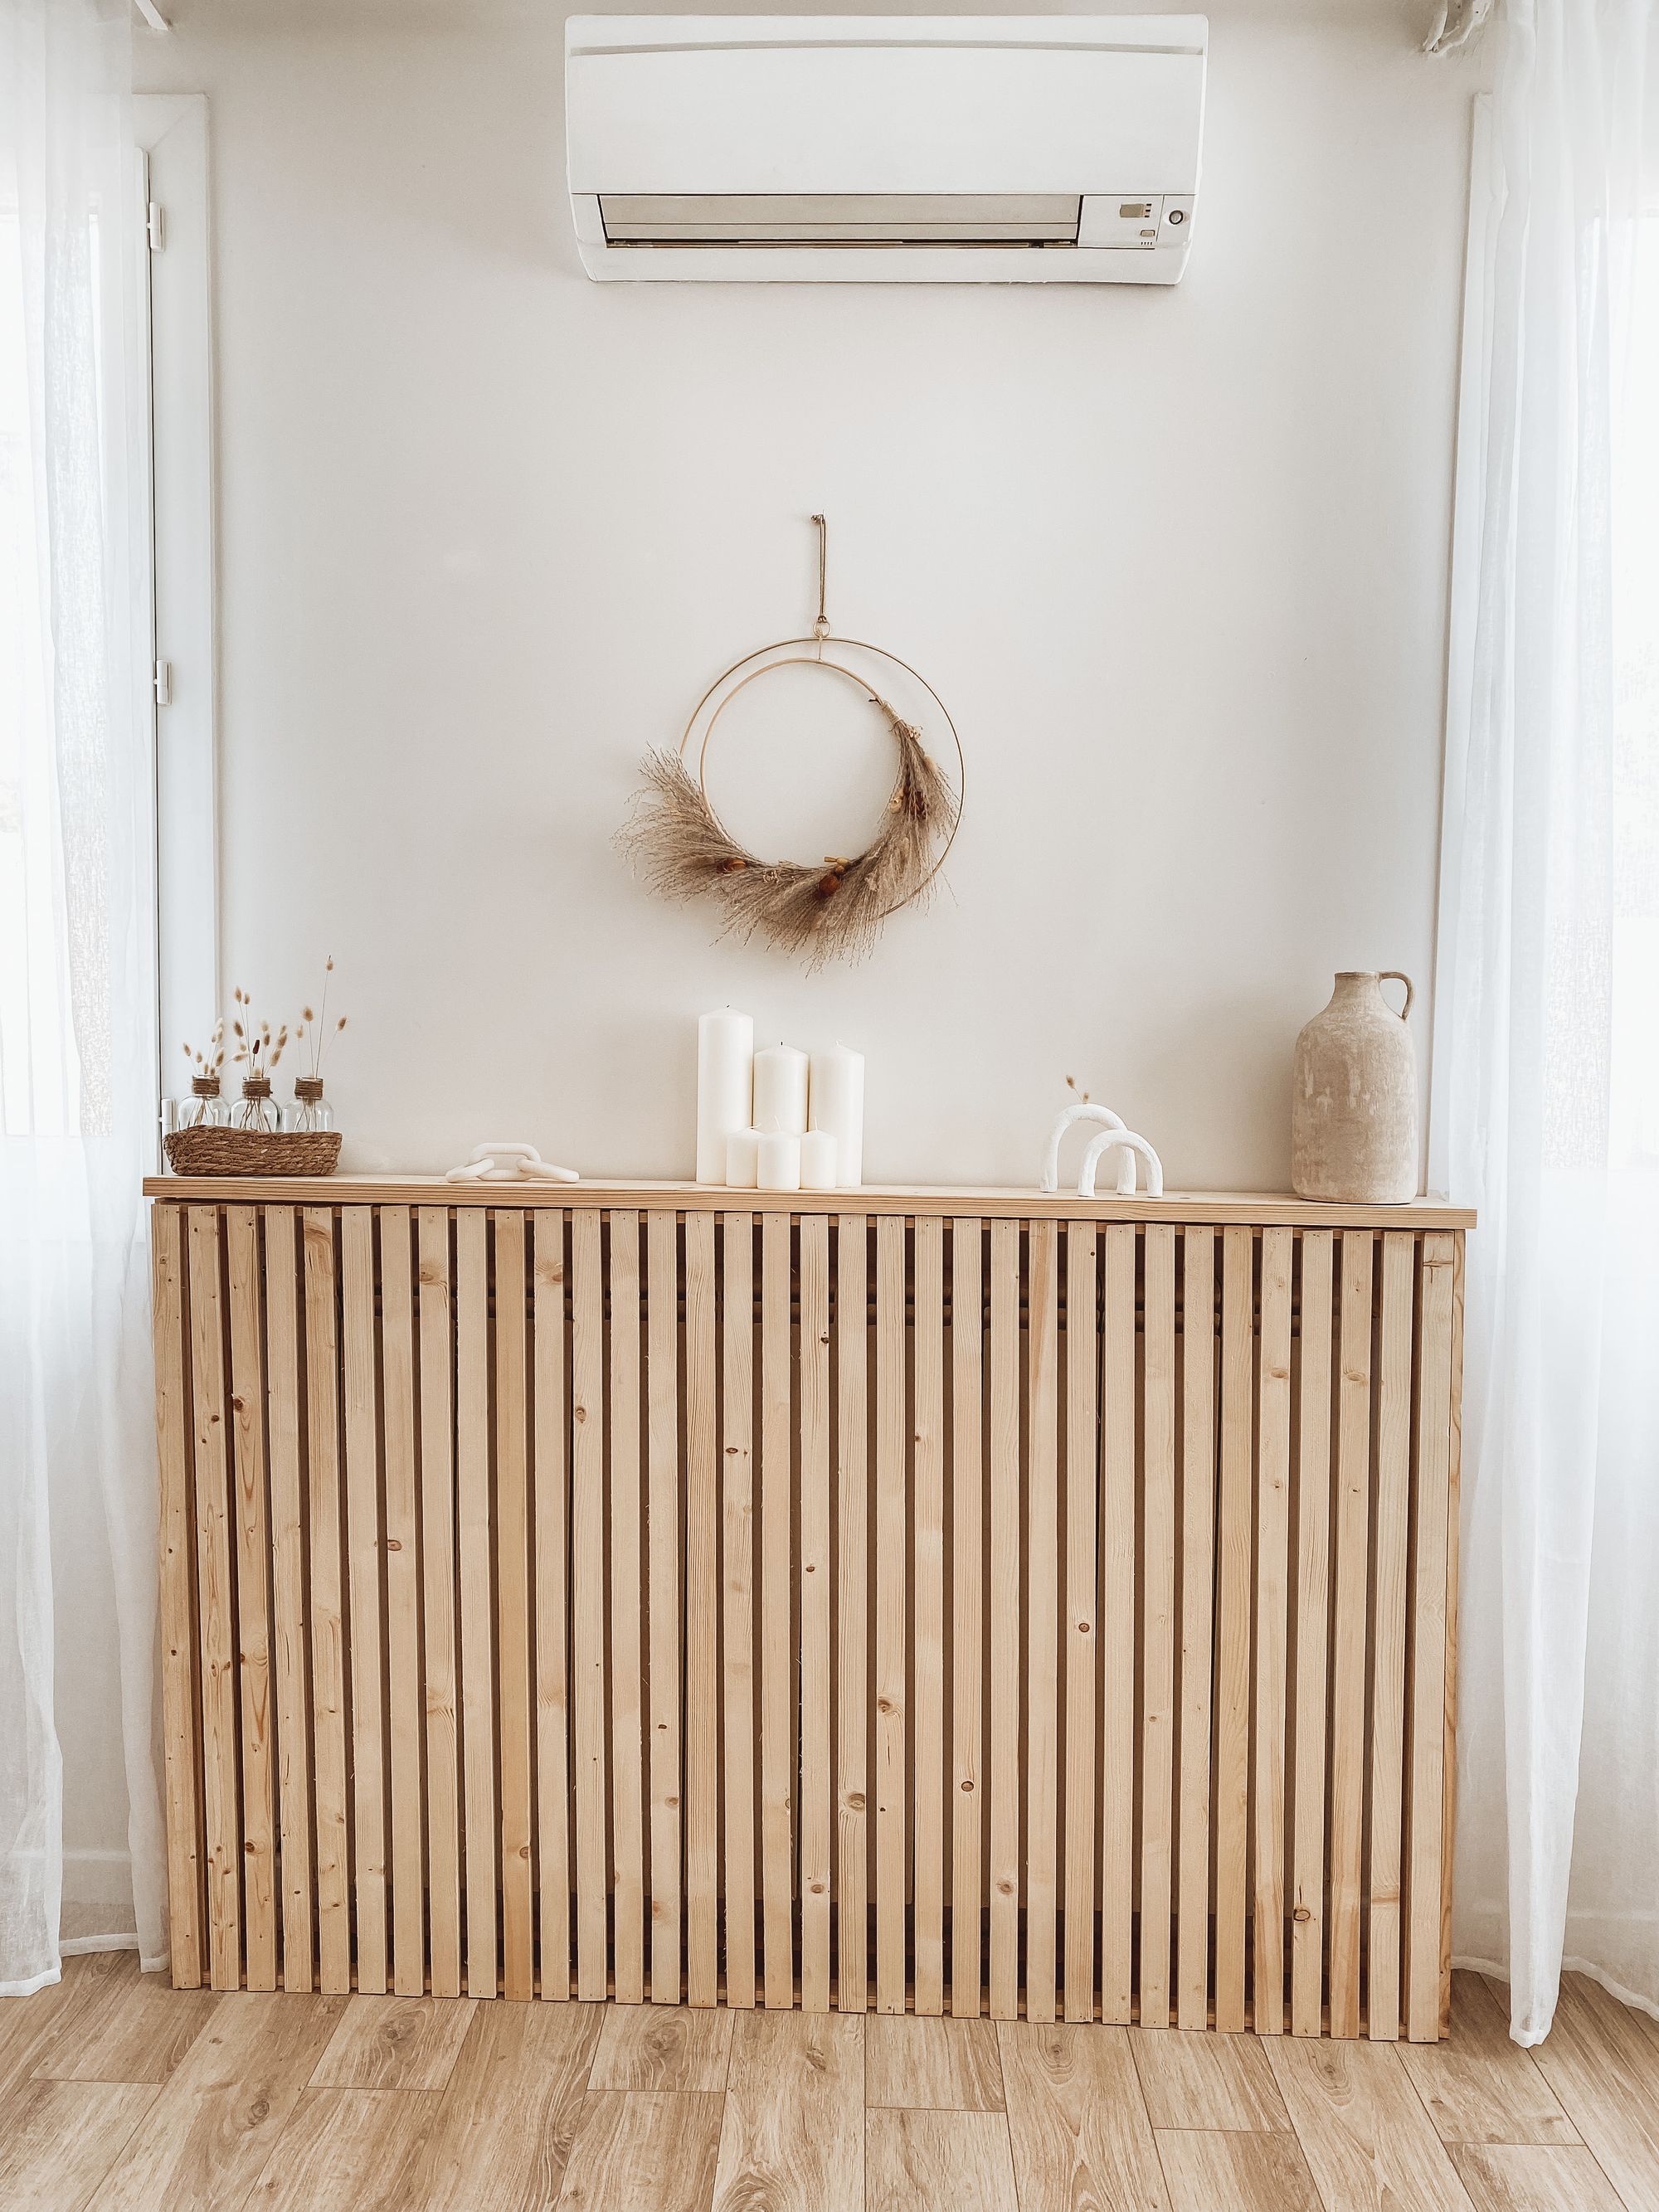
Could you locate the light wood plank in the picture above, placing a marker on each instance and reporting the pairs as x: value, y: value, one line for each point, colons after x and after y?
x: 587, y: 1520
x: 395, y: 2043
x: 1236, y: 1575
x: 1076, y: 2120
x: 663, y: 2047
x: 288, y: 1595
x: 946, y: 2065
x: 628, y: 1581
x: 1004, y: 1656
x: 215, y: 1602
x: 135, y: 2028
x: 328, y: 1654
x: 438, y: 1570
x: 244, y: 1274
x: 1367, y: 2139
x: 792, y: 2139
x: 403, y: 1600
x: 1042, y: 1761
x: 852, y: 1350
x: 177, y: 1601
x: 1273, y: 1537
x: 891, y: 1573
x: 1432, y: 1687
x: 1119, y: 1703
x: 359, y: 1383
x: 551, y: 1485
x: 1158, y: 1695
x: 1209, y: 2172
x: 503, y: 2137
x: 476, y: 1598
x: 1199, y: 2081
x: 1480, y: 2087
x: 1081, y: 1641
x: 815, y: 1781
x: 663, y: 1506
x: 347, y: 2150
x: 1347, y: 1753
x: 927, y: 1570
x: 510, y: 1416
x: 58, y: 2139
x: 1198, y: 1504
x: 968, y: 1620
x: 1602, y: 2059
x: 925, y: 2162
x: 1388, y: 1691
x: 703, y: 1629
x: 1313, y: 1520
x: 738, y: 1595
x: 777, y: 1692
x: 649, y: 2151
x: 1528, y: 2178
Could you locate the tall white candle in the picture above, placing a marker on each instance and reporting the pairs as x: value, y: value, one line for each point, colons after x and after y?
x: 725, y: 1061
x: 837, y: 1106
x: 779, y: 1164
x: 818, y: 1160
x: 781, y: 1091
x: 742, y: 1158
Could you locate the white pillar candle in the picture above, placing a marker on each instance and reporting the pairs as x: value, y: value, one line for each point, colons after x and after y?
x: 781, y: 1091
x: 742, y: 1158
x: 818, y: 1160
x: 725, y: 1061
x: 778, y: 1166
x: 837, y: 1104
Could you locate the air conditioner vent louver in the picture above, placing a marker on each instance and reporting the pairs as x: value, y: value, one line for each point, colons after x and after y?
x: 840, y: 218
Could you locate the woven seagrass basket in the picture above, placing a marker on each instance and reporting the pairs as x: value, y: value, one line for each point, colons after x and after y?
x: 252, y: 1153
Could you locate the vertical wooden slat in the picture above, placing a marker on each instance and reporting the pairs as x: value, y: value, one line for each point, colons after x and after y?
x: 1082, y: 1639
x: 852, y: 1509
x: 1041, y: 1645
x: 703, y: 1623
x: 777, y: 1698
x: 1232, y: 1734
x: 815, y: 1776
x: 216, y: 1603
x: 892, y: 1546
x: 478, y: 1604
x: 1198, y: 1479
x: 185, y: 1910
x: 360, y: 1384
x: 1449, y: 1794
x: 403, y: 1600
x: 1117, y: 1535
x: 328, y: 1657
x: 1158, y: 1629
x: 587, y: 1514
x: 928, y: 1426
x: 1348, y: 1654
x: 1272, y: 1630
x: 967, y: 1617
x: 1429, y: 1683
x: 628, y: 1583
x: 550, y: 1486
x: 438, y: 1572
x: 738, y: 1615
x: 288, y: 1596
x: 663, y: 1579
x: 1005, y: 1658
x: 247, y: 1404
x: 1313, y: 1516
x: 512, y: 1431
x: 1387, y: 1693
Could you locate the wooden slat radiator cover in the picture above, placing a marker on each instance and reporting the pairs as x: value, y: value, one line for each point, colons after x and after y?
x: 882, y: 1605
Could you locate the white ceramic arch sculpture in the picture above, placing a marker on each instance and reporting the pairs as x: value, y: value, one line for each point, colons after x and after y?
x: 1128, y: 1144
x: 1063, y: 1120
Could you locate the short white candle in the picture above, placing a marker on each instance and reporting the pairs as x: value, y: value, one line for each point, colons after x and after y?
x: 778, y: 1167
x: 837, y: 1102
x: 818, y: 1160
x: 742, y: 1158
x: 781, y: 1089
x: 726, y: 1059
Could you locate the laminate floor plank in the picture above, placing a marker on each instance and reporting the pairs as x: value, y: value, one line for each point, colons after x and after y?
x: 1535, y: 2178
x: 922, y: 2160
x: 793, y: 2137
x: 135, y: 2028
x: 1602, y: 2059
x: 1368, y: 2140
x: 1077, y: 2121
x: 503, y: 2134
x: 936, y: 2064
x: 1217, y: 2170
x: 663, y: 2047
x: 645, y: 2150
x: 395, y: 2043
x: 71, y: 2006
x: 59, y: 2138
x: 349, y: 2150
x: 1191, y: 2080
x: 1478, y: 2087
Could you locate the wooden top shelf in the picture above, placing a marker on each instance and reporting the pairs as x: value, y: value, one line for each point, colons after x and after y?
x: 1252, y: 1209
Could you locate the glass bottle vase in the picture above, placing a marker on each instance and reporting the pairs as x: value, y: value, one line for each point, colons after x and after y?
x: 256, y: 1109
x: 310, y: 1114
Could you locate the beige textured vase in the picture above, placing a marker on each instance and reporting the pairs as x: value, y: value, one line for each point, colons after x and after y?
x: 1353, y: 1113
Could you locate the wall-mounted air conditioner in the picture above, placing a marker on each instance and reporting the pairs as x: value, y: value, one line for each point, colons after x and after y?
x: 872, y: 149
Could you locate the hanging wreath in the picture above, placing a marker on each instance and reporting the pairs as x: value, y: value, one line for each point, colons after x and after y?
x: 831, y: 908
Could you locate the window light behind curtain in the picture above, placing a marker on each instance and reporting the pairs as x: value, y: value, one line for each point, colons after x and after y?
x: 80, y: 1839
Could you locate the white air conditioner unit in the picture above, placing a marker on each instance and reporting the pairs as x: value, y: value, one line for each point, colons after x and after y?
x: 877, y: 149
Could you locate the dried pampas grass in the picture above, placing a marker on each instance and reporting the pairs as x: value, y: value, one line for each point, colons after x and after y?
x: 833, y: 911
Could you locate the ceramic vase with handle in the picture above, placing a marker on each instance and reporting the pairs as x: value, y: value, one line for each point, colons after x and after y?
x: 1353, y: 1113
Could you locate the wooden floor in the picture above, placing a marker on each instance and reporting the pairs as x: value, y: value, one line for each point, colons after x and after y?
x: 116, y: 2091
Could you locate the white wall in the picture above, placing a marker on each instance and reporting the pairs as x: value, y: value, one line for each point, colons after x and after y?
x: 1177, y: 560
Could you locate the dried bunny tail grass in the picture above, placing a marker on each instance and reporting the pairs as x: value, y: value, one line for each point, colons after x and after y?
x: 832, y: 911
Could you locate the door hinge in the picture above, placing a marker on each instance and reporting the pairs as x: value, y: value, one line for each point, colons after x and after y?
x: 156, y: 225
x: 164, y: 683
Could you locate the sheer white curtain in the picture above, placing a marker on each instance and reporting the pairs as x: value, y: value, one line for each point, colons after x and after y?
x: 77, y: 1541
x: 1546, y: 1044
